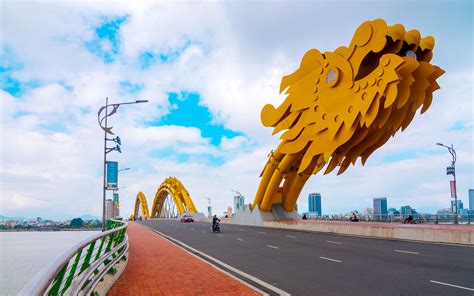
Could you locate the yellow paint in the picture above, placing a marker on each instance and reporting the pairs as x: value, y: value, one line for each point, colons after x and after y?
x: 170, y: 186
x: 343, y: 105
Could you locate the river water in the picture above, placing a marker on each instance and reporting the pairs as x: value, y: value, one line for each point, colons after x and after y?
x: 23, y: 254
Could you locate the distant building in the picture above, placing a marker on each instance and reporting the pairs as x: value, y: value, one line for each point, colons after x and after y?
x: 460, y: 205
x: 393, y: 211
x: 380, y: 208
x: 109, y: 209
x: 239, y: 202
x: 367, y: 211
x: 314, y: 204
x: 406, y: 210
x: 444, y: 212
x: 471, y: 199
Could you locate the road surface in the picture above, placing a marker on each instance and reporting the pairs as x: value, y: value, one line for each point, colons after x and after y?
x: 305, y: 263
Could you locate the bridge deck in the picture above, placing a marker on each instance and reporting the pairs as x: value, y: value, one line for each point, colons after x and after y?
x: 158, y: 267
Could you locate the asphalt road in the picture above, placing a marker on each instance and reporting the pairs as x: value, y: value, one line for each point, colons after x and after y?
x: 304, y: 263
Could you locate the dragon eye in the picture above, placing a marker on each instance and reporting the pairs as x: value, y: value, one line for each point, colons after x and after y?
x: 411, y: 54
x: 332, y: 76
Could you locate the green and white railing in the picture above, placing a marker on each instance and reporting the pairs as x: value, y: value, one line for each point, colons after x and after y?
x: 79, y: 270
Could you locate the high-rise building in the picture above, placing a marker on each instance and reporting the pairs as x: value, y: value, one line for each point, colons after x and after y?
x: 471, y: 199
x: 460, y: 205
x: 314, y: 204
x: 109, y: 209
x: 367, y: 211
x: 380, y: 208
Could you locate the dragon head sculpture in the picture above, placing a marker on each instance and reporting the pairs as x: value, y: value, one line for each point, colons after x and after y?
x: 345, y: 104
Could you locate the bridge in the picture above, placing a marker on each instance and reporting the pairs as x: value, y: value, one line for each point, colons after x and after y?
x: 340, y: 106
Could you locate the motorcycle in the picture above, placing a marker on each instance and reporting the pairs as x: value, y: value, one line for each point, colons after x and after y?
x: 216, y: 227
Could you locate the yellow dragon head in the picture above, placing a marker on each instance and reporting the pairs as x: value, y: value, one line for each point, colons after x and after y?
x: 345, y: 104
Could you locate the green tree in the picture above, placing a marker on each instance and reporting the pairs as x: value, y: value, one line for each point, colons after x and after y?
x: 76, y: 223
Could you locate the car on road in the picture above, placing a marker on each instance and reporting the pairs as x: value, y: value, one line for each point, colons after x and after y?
x: 187, y: 218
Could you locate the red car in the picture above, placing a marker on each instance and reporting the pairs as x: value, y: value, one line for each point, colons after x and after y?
x: 187, y: 218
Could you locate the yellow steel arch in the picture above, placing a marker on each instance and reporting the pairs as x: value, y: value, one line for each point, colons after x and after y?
x: 173, y: 187
x: 141, y: 199
x: 343, y: 105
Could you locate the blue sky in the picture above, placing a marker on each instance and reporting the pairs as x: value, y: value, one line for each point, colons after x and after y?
x: 207, y: 72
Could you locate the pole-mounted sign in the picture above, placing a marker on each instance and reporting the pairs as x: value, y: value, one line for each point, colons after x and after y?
x: 453, y: 189
x: 450, y: 170
x: 112, y: 175
x: 116, y: 198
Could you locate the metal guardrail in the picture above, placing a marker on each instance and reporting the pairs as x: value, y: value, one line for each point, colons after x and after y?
x: 79, y: 270
x: 397, y: 218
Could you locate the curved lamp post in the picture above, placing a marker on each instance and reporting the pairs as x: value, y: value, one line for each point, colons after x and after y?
x: 102, y: 119
x: 451, y: 170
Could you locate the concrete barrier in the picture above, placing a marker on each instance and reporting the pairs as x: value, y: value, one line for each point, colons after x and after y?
x: 436, y: 233
x: 453, y: 234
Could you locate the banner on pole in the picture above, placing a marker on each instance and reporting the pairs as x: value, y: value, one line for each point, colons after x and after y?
x: 112, y: 175
x: 116, y: 198
x: 453, y: 188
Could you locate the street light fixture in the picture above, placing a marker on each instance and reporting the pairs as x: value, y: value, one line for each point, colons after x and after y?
x: 108, y: 130
x: 451, y: 170
x: 125, y: 169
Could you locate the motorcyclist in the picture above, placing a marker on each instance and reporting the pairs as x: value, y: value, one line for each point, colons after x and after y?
x: 214, y: 220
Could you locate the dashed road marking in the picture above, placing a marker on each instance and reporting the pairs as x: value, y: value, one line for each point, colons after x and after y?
x: 291, y: 236
x: 239, y: 239
x: 261, y: 232
x: 330, y: 259
x: 407, y: 252
x: 203, y: 231
x: 219, y: 235
x: 333, y: 242
x: 451, y: 285
x: 273, y: 247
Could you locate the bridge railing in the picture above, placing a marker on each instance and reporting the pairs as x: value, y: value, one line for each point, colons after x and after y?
x: 79, y: 270
x: 397, y: 218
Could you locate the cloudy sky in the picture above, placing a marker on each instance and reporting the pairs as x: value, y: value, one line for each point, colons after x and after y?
x: 207, y: 69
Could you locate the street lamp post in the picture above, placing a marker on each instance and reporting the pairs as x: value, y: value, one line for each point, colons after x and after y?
x: 451, y: 170
x: 108, y: 130
x: 209, y: 209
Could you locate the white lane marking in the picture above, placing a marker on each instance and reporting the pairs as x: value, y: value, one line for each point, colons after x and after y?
x: 203, y: 231
x: 273, y: 247
x: 333, y: 242
x: 330, y: 259
x: 261, y: 232
x: 451, y: 285
x: 241, y: 229
x: 219, y: 235
x: 291, y: 236
x: 231, y: 268
x: 239, y: 239
x: 408, y: 252
x: 192, y: 229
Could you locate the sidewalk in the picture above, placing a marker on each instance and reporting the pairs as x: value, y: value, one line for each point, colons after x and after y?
x: 158, y: 267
